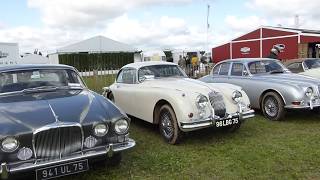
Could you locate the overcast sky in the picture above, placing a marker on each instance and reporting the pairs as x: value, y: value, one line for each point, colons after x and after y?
x: 145, y: 24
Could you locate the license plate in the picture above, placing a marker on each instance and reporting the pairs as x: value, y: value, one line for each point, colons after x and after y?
x: 227, y: 122
x: 62, y: 170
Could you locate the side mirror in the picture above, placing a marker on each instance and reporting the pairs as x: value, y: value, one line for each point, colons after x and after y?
x: 146, y: 77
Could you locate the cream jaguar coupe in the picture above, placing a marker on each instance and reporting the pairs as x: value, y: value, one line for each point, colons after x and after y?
x: 162, y: 94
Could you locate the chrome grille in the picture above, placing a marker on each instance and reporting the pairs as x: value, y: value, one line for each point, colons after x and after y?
x: 58, y: 142
x: 217, y: 103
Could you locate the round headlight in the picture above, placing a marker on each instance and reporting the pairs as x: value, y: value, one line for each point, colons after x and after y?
x: 309, y: 92
x: 100, y: 130
x: 121, y: 126
x: 202, y: 101
x: 9, y: 144
x: 237, y: 96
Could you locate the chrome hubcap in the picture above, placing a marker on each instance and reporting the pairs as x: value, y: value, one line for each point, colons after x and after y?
x: 166, y: 124
x: 271, y: 106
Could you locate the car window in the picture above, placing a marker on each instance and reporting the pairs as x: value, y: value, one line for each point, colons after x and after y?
x: 161, y: 71
x: 19, y: 80
x: 312, y: 63
x: 296, y: 67
x: 236, y: 69
x: 216, y: 69
x: 224, y: 70
x: 127, y: 76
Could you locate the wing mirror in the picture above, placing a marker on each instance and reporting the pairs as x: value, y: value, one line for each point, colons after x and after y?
x: 146, y: 77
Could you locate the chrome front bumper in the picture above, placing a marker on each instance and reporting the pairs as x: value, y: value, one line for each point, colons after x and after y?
x: 313, y: 103
x: 9, y: 169
x: 190, y: 126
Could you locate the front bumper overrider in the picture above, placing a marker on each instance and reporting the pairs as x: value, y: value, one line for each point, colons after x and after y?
x: 189, y: 126
x: 21, y: 167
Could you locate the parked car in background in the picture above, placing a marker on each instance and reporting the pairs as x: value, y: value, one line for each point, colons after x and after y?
x: 308, y: 67
x: 270, y: 86
x: 52, y: 125
x: 162, y: 94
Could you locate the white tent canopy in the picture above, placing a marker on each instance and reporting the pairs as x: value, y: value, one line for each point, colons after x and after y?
x: 97, y: 44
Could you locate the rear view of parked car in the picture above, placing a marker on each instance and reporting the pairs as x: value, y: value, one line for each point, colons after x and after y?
x: 51, y: 125
x: 162, y: 94
x: 270, y: 86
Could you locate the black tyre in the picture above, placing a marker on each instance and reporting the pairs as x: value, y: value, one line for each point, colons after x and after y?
x: 273, y: 106
x: 115, y: 160
x: 168, y: 125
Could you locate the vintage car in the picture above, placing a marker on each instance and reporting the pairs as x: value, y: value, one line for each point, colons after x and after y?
x: 308, y: 67
x: 270, y: 86
x: 52, y: 125
x: 162, y: 94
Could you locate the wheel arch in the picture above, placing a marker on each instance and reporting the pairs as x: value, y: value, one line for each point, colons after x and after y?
x: 267, y: 91
x: 156, y: 109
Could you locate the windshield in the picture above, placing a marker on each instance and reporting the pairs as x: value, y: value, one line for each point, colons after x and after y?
x: 266, y: 66
x: 26, y: 79
x: 312, y: 63
x: 161, y: 71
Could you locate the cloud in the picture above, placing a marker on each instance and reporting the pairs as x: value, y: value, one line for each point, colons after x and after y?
x: 239, y: 24
x: 83, y: 14
x: 165, y: 32
x: 283, y: 12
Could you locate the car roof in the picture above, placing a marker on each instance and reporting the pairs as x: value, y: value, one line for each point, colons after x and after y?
x: 33, y: 66
x: 246, y: 60
x: 138, y: 65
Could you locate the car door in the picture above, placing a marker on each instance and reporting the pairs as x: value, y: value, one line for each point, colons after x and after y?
x: 124, y: 90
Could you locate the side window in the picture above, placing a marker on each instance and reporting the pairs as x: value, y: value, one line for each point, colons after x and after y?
x: 224, y: 70
x: 295, y: 67
x: 257, y: 67
x: 236, y: 69
x: 127, y: 76
x: 216, y: 69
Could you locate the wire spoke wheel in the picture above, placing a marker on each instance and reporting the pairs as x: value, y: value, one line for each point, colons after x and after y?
x: 166, y: 123
x: 271, y: 106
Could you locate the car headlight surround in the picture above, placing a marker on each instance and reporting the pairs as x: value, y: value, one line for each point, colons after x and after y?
x: 309, y: 92
x: 121, y: 126
x: 100, y: 130
x: 237, y: 96
x: 9, y: 144
x: 202, y: 102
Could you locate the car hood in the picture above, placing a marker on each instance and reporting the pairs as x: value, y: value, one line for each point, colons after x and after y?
x: 181, y: 84
x: 24, y: 113
x: 288, y: 78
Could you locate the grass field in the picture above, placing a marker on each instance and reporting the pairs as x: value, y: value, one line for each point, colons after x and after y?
x: 260, y: 149
x: 96, y: 83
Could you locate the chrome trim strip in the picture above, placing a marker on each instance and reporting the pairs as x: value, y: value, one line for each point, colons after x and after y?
x: 112, y: 148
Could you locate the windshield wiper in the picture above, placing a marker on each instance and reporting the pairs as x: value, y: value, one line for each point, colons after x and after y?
x: 40, y: 89
x: 276, y: 71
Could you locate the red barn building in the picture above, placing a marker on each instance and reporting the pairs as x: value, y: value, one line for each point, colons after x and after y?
x: 295, y: 43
